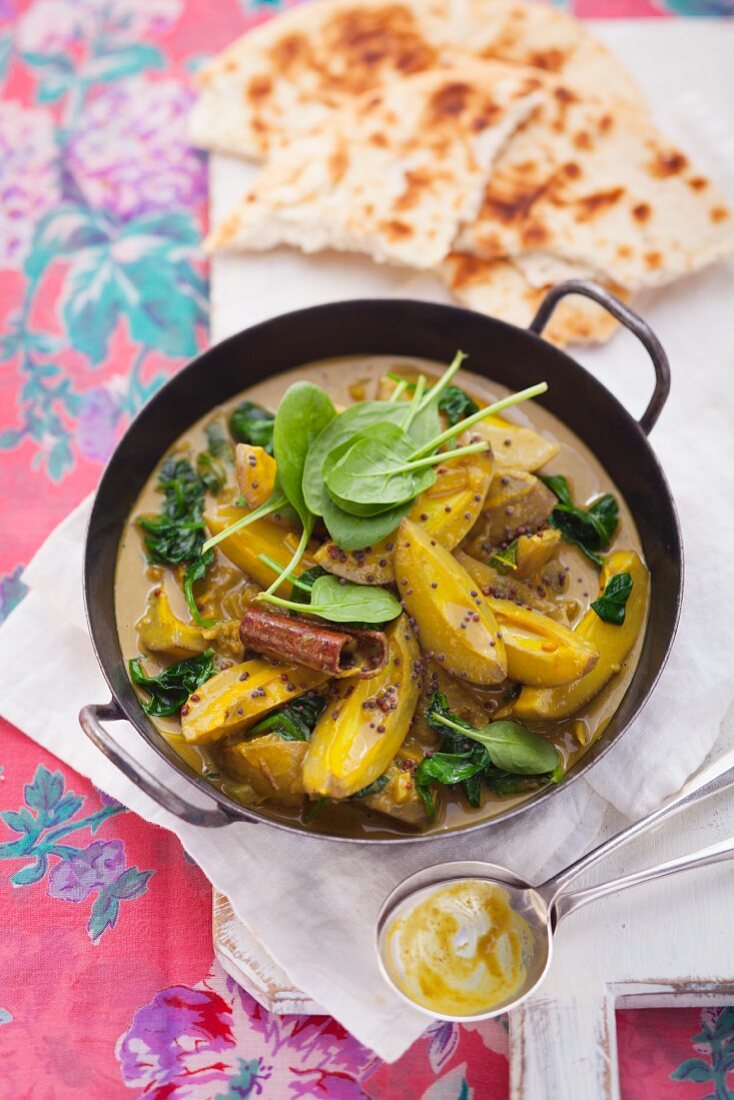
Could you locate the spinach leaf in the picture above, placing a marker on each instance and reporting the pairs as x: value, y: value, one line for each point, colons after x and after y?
x: 295, y: 721
x: 588, y: 528
x: 302, y: 415
x: 249, y: 423
x: 303, y: 584
x: 610, y: 607
x: 374, y: 473
x: 342, y: 601
x: 171, y: 688
x: 218, y: 440
x: 449, y: 769
x: 196, y: 571
x: 455, y: 404
x: 340, y: 432
x: 176, y: 536
x: 494, y: 755
x: 372, y: 788
x: 517, y: 750
x: 211, y: 471
x: 358, y: 532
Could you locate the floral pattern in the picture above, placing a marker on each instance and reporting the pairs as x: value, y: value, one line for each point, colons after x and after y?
x: 49, y: 817
x: 103, y: 293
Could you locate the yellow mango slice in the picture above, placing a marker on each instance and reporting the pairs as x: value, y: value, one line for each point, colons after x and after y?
x: 365, y: 722
x: 237, y: 698
x: 399, y: 799
x: 539, y: 650
x: 614, y: 644
x: 160, y: 631
x: 535, y: 551
x: 506, y: 585
x: 447, y: 511
x: 453, y: 619
x: 517, y: 501
x: 255, y: 472
x: 261, y: 537
x: 270, y: 766
x: 515, y: 447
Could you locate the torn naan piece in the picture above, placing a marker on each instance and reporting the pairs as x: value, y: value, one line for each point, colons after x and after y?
x: 540, y: 35
x: 286, y: 77
x: 499, y: 289
x: 393, y: 175
x: 591, y: 188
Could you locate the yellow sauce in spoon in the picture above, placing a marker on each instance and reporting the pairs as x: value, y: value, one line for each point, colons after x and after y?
x: 460, y: 950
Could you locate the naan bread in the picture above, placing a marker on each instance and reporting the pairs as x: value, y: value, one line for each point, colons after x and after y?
x: 589, y: 187
x: 393, y: 175
x: 540, y: 35
x: 286, y: 77
x: 498, y: 288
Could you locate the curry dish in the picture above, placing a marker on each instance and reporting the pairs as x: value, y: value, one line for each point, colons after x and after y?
x: 377, y: 596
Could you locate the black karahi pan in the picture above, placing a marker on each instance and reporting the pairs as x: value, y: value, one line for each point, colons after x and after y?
x: 517, y: 358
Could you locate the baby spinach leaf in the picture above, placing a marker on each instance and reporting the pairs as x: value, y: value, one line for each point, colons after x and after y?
x: 372, y: 788
x: 510, y: 747
x: 295, y: 721
x: 339, y: 432
x: 588, y: 528
x: 373, y: 473
x: 344, y: 602
x: 610, y: 607
x: 196, y: 571
x: 517, y: 750
x: 171, y: 688
x: 358, y: 532
x: 302, y: 415
x: 249, y: 423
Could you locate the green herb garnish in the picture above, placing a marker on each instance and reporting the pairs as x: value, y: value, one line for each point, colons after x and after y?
x: 610, y: 606
x: 171, y: 688
x: 295, y: 721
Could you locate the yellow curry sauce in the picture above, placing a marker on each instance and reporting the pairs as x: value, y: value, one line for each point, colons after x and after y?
x: 458, y: 949
x: 572, y: 579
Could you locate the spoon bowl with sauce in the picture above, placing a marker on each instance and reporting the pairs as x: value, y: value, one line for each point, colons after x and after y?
x: 470, y: 940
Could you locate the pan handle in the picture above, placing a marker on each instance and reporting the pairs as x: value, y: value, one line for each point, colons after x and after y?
x: 91, y: 718
x: 630, y: 320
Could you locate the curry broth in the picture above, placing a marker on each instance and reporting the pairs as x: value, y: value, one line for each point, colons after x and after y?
x: 347, y: 380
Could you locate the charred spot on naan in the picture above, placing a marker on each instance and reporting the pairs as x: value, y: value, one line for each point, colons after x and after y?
x: 667, y: 163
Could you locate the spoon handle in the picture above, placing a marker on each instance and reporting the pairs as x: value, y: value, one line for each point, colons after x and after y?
x: 712, y: 780
x: 716, y: 853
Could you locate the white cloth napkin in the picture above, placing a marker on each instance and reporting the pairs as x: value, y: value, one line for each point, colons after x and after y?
x: 313, y: 903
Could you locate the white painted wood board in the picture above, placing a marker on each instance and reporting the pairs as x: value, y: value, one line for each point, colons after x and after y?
x: 662, y: 943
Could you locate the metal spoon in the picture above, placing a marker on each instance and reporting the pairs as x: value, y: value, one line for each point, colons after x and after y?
x: 544, y: 906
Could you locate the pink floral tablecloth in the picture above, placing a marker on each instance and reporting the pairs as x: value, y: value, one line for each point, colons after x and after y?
x: 109, y: 984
